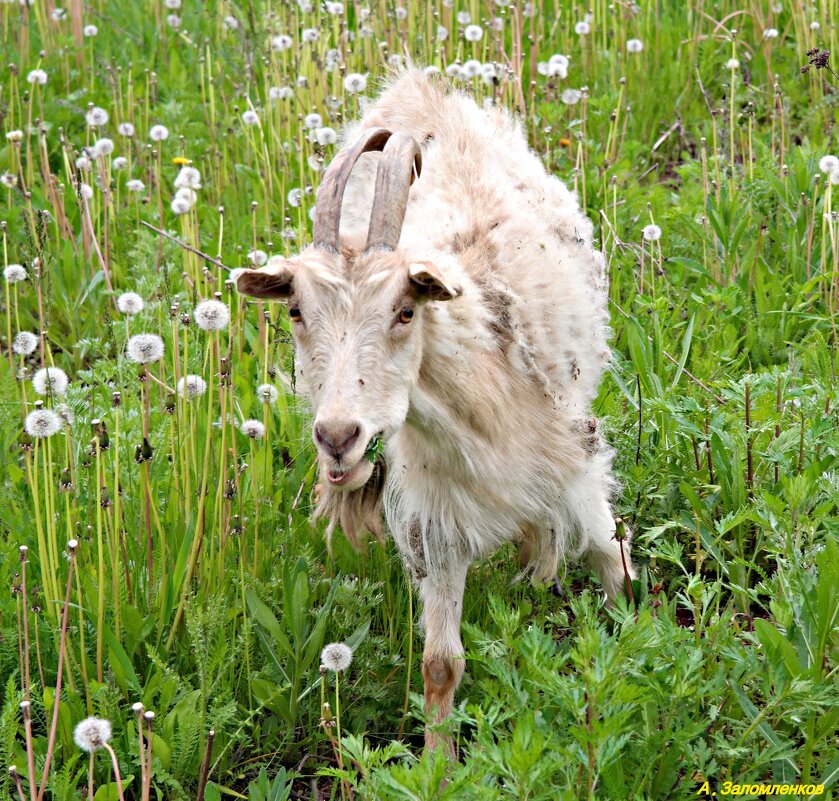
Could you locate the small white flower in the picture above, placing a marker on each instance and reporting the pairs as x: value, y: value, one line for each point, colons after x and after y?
x: 119, y: 163
x: 472, y: 68
x: 281, y: 42
x: 473, y: 33
x: 313, y: 120
x: 174, y: 21
x: 37, y: 76
x: 92, y: 733
x: 14, y: 136
x: 463, y: 18
x: 401, y: 13
x: 86, y: 191
x: 280, y: 93
x: 135, y: 185
x: 489, y: 73
x: 130, y: 303
x: 231, y: 23
x: 651, y: 232
x: 815, y: 25
x: 310, y: 35
x: 431, y: 70
x: 90, y: 30
x: 58, y: 14
x: 188, y: 177
x: 24, y: 343
x: 145, y: 348
x: 571, y: 97
x: 267, y: 393
x: 355, y: 82
x: 253, y: 429
x: 442, y: 33
x: 250, y: 117
x: 294, y: 197
x: 334, y: 8
x: 42, y: 423
x: 732, y: 64
x: 326, y: 135
x: 96, y: 117
x: 15, y: 273
x: 337, y: 657
x: 180, y: 205
x: 158, y: 133
x: 211, y: 315
x: 828, y: 164
x: 8, y: 180
x: 50, y: 381
x: 306, y: 6
x: 173, y: 5
x: 103, y: 147
x: 634, y: 46
x: 456, y: 72
x: 257, y: 257
x: 582, y: 28
x: 770, y: 33
x: 125, y: 129
x: 66, y: 414
x: 191, y: 386
x: 83, y: 163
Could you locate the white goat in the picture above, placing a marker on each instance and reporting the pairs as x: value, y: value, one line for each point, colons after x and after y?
x: 461, y: 321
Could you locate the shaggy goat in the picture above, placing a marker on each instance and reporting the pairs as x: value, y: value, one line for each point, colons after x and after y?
x: 462, y: 323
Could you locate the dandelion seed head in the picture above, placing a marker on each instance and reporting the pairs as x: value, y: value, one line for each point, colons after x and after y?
x: 72, y: 544
x: 582, y: 28
x: 24, y: 343
x: 815, y: 25
x: 50, y: 381
x: 463, y: 18
x: 14, y: 273
x: 15, y: 136
x: 313, y: 120
x: 58, y: 14
x: 8, y: 180
x: 651, y: 233
x: 280, y: 93
x: 120, y: 163
x: 337, y: 657
x: 431, y: 70
x: 158, y: 133
x: 829, y: 164
x: 335, y: 8
x: 92, y: 733
x: 770, y: 33
x: 97, y: 117
x: 472, y: 68
x: 732, y: 64
x: 188, y: 177
x: 281, y: 42
x: 473, y: 33
x: 145, y: 348
x: 294, y: 197
x: 103, y: 147
x: 191, y: 386
x: 90, y: 30
x: 401, y: 13
x: 130, y: 303
x: 135, y: 185
x: 137, y: 707
x: 212, y: 315
x: 42, y: 423
x: 83, y: 163
x: 571, y: 97
x: 67, y: 415
x: 37, y: 77
x: 257, y: 257
x: 326, y: 135
x: 180, y: 205
x: 231, y: 23
x: 355, y: 82
x: 310, y: 35
x: 253, y: 429
x: 634, y: 46
x: 172, y: 5
x: 267, y: 393
x: 442, y: 33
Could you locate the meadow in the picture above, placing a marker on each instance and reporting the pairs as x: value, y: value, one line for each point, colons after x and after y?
x: 163, y: 572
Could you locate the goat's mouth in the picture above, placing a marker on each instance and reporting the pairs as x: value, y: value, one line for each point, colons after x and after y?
x: 350, y: 478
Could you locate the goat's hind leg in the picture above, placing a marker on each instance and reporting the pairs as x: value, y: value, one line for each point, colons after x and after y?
x: 442, y: 658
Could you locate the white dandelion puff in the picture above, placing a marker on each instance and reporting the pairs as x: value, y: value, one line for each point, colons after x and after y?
x: 15, y: 136
x: 337, y: 657
x: 732, y: 64
x: 42, y: 423
x: 313, y: 120
x: 257, y: 257
x: 571, y: 97
x: 130, y: 303
x: 442, y: 33
x: 90, y: 30
x: 250, y: 117
x: 97, y: 117
x: 119, y: 163
x: 37, y: 76
x: 431, y: 70
x: 828, y: 164
x: 770, y: 33
x: 815, y: 25
x: 158, y: 133
x: 188, y: 177
x: 66, y: 414
x: 24, y: 343
x: 231, y: 23
x: 92, y: 733
x: 253, y: 429
x: 280, y: 93
x: 281, y: 42
x: 8, y: 180
x: 180, y: 205
x: 355, y: 82
x: 86, y: 191
x: 267, y: 393
x: 191, y: 386
x: 473, y: 33
x: 15, y: 273
x: 145, y: 348
x: 58, y: 14
x: 211, y: 315
x: 651, y: 233
x: 335, y: 8
x: 172, y: 5
x: 50, y: 381
x: 135, y: 185
x: 103, y: 147
x: 310, y: 35
x: 463, y: 18
x: 401, y: 13
x: 326, y: 135
x: 294, y: 197
x: 582, y: 29
x: 634, y: 46
x: 174, y: 21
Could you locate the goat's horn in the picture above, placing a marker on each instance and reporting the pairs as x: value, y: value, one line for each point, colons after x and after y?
x: 400, y: 164
x: 331, y: 192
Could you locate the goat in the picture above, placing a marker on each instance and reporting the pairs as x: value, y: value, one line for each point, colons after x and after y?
x: 450, y: 334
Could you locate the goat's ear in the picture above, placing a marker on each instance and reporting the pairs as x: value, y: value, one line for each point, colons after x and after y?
x: 430, y: 283
x: 272, y: 282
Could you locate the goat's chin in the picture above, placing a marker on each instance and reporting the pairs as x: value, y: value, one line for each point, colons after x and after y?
x: 340, y: 480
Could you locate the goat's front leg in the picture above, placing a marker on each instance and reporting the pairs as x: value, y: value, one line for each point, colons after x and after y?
x: 442, y: 658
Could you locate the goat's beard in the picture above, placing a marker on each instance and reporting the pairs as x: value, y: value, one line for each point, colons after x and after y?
x: 356, y: 511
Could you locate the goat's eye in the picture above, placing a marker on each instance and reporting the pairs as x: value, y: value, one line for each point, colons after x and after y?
x: 294, y: 313
x: 405, y: 315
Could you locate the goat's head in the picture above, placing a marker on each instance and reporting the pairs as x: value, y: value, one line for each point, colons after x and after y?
x: 356, y: 312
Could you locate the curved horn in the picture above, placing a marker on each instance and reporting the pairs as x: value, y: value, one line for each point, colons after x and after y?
x: 331, y: 192
x: 400, y: 164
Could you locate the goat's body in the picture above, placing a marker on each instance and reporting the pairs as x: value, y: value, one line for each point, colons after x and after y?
x: 498, y: 444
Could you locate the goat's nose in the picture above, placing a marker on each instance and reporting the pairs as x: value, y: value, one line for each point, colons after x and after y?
x: 336, y: 436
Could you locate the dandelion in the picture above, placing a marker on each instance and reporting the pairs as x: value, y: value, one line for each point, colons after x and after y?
x: 489, y: 73
x: 355, y: 82
x: 253, y: 429
x: 125, y: 129
x: 732, y: 64
x: 189, y: 195
x: 86, y: 191
x: 634, y: 46
x: 651, y: 233
x: 145, y: 348
x: 92, y: 734
x: 130, y: 303
x: 42, y: 423
x: 815, y: 25
x: 582, y: 29
x: 158, y: 133
x: 306, y: 6
x: 498, y: 24
x: 174, y: 21
x: 334, y: 8
x: 231, y: 23
x: 431, y: 70
x: 66, y: 414
x: 313, y: 120
x: 83, y: 163
x: 257, y: 257
x: 528, y: 10
x: 250, y: 117
x: 770, y: 33
x: 294, y: 197
x: 337, y: 657
x: 212, y: 315
x: 180, y: 205
x: 401, y: 13
x: 119, y: 163
x: 280, y: 93
x: 310, y: 35
x: 188, y: 177
x: 103, y: 147
x: 326, y: 136
x: 267, y: 393
x: 8, y: 180
x: 37, y: 76
x: 456, y: 72
x: 442, y: 33
x: 191, y: 386
x: 50, y: 381
x: 571, y: 97
x: 473, y: 33
x: 14, y: 273
x: 14, y: 136
x: 96, y: 117
x: 58, y: 14
x: 463, y: 18
x: 828, y: 164
x: 135, y: 185
x: 281, y: 42
x: 172, y: 5
x: 24, y: 343
x: 834, y: 177
x: 90, y: 30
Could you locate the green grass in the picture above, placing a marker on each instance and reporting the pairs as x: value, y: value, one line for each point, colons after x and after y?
x: 720, y: 405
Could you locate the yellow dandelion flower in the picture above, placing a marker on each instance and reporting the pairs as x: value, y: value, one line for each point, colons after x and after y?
x: 181, y: 160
